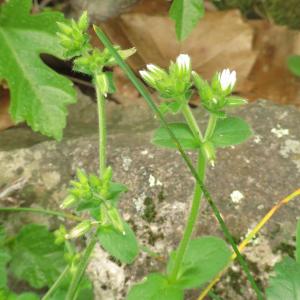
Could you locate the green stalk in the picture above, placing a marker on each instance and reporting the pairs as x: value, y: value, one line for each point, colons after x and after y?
x: 56, y: 283
x: 81, y: 268
x: 190, y: 119
x: 41, y: 211
x: 143, y: 91
x: 192, y: 219
x: 102, y: 131
x: 211, y: 126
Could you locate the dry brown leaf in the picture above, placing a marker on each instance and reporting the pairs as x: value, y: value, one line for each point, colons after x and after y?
x: 5, y: 119
x: 221, y: 40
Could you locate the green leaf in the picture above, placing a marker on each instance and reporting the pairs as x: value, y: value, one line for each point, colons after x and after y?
x: 85, y: 290
x: 35, y: 257
x: 155, y: 287
x: 124, y: 247
x: 294, y: 64
x: 4, y: 259
x: 230, y: 131
x: 181, y: 131
x: 186, y: 14
x: 204, y: 258
x: 38, y: 95
x: 27, y: 296
x: 286, y: 283
x: 298, y: 242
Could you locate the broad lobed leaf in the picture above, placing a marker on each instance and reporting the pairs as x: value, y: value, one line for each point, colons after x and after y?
x: 123, y: 247
x: 182, y: 132
x: 230, y: 131
x: 204, y: 258
x: 286, y: 283
x: 38, y: 95
x: 155, y: 287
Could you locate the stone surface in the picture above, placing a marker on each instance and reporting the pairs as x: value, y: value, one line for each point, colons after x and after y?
x: 246, y: 182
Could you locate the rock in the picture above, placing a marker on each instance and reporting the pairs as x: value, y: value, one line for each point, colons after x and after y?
x: 247, y: 181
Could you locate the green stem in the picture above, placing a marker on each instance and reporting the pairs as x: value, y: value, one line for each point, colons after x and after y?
x: 56, y: 283
x: 102, y: 131
x: 211, y: 126
x: 194, y: 213
x: 192, y: 122
x: 41, y: 211
x: 81, y: 268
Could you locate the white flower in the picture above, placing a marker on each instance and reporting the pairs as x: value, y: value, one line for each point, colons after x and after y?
x: 227, y: 79
x: 184, y: 62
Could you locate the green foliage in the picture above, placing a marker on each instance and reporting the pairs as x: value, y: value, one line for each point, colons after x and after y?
x: 186, y: 14
x: 298, y: 243
x: 182, y: 132
x: 285, y: 284
x: 230, y: 131
x: 122, y: 246
x: 35, y: 257
x: 294, y: 64
x: 155, y: 287
x: 39, y: 95
x: 205, y: 257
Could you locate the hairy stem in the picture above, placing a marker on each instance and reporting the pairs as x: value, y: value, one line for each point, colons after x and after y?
x: 194, y: 213
x: 41, y: 211
x: 57, y: 283
x: 81, y: 268
x: 211, y: 126
x: 190, y: 119
x: 102, y: 131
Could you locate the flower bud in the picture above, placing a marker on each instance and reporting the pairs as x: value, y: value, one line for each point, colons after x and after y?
x: 69, y: 201
x: 116, y: 219
x: 83, y: 22
x: 79, y: 230
x: 208, y: 150
x: 60, y: 235
x: 102, y: 83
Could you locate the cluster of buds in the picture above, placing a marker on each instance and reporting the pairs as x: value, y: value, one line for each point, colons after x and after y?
x: 73, y: 37
x: 217, y: 95
x: 172, y: 84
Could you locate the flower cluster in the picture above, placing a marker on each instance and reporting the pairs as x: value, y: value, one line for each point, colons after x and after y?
x: 172, y: 84
x: 175, y: 85
x: 99, y: 196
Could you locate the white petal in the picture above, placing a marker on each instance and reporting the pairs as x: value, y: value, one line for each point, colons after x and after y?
x: 183, y: 61
x: 152, y: 67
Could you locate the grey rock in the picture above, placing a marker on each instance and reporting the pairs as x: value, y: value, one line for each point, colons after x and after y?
x: 246, y: 182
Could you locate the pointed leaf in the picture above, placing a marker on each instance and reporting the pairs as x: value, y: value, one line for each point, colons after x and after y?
x: 204, y: 258
x: 230, y: 131
x: 286, y: 283
x: 181, y: 131
x: 186, y: 14
x: 39, y: 95
x: 124, y: 247
x: 155, y: 287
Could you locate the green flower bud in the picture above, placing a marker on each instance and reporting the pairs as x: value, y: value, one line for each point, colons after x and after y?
x: 102, y: 83
x: 64, y: 28
x: 235, y: 101
x: 79, y: 230
x: 83, y: 22
x: 116, y: 219
x: 69, y: 201
x: 208, y: 150
x: 60, y: 235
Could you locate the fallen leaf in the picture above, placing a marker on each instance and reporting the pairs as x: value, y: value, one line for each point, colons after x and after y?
x: 5, y: 119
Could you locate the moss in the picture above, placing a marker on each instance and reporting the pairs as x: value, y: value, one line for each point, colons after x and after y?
x: 149, y: 211
x: 161, y: 196
x: 283, y: 12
